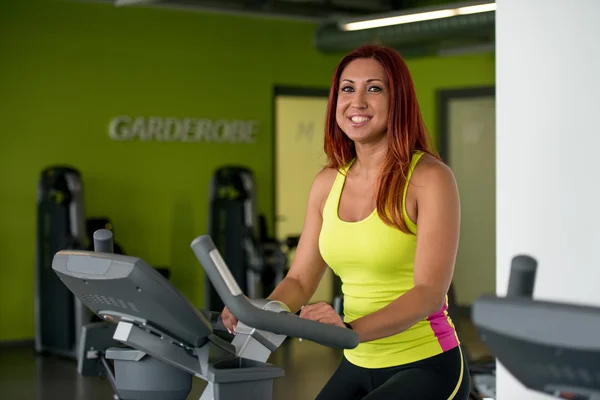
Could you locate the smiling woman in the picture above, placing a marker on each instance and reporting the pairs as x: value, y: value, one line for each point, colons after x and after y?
x: 362, y: 105
x: 383, y: 181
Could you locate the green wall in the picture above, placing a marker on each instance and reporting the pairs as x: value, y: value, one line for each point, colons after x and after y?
x: 438, y: 73
x: 68, y: 68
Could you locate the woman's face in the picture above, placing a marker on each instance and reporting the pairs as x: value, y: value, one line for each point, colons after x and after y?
x: 363, y: 101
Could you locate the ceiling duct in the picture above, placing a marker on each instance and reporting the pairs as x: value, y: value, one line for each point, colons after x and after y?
x: 418, y: 36
x: 314, y: 11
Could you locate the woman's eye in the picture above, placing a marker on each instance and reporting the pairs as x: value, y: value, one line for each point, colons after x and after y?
x: 351, y: 89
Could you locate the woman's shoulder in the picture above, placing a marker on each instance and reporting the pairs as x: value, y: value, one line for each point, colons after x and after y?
x: 324, y: 179
x: 431, y: 171
x: 321, y: 186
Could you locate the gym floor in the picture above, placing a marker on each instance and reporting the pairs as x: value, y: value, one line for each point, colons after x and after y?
x: 308, y: 366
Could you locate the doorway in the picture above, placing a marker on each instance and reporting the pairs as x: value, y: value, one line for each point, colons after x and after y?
x: 298, y: 134
x: 467, y: 143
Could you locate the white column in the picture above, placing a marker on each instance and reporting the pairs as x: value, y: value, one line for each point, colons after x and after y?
x: 548, y: 143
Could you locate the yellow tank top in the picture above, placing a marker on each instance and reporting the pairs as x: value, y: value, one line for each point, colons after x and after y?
x: 375, y: 263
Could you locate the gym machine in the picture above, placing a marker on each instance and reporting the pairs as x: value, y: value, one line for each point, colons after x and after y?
x: 549, y: 347
x: 165, y: 341
x: 256, y: 261
x: 92, y: 224
x: 59, y: 316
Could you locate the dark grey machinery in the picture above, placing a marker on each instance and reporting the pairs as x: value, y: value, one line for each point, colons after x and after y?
x: 549, y: 347
x: 165, y: 341
x: 59, y: 316
x: 255, y: 260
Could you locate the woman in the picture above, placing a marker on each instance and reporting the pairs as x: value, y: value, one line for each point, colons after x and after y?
x: 382, y: 182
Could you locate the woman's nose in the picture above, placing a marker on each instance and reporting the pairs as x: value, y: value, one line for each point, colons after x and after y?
x: 359, y: 100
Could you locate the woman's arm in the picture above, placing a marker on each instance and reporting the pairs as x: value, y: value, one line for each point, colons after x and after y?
x: 438, y: 224
x: 308, y: 267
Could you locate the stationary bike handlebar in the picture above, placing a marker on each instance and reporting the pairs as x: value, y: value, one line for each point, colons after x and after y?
x: 285, y: 323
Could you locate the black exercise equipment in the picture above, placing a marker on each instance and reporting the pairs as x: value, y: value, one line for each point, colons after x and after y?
x: 166, y: 341
x: 233, y: 224
x: 274, y: 256
x: 257, y: 261
x: 59, y: 316
x: 548, y: 346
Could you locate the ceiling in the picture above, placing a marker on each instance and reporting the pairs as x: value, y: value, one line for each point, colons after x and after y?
x: 468, y: 33
x: 313, y: 10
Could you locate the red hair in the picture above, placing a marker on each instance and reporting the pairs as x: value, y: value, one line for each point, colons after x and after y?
x: 406, y: 131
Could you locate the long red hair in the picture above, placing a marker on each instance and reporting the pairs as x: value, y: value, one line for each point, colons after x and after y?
x: 406, y: 131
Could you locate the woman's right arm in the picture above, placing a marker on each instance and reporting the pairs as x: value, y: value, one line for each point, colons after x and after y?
x: 308, y: 267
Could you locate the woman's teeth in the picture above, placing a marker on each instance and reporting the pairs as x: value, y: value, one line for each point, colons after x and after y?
x: 360, y: 119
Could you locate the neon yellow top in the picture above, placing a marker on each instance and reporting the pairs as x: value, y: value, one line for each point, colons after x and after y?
x: 375, y: 263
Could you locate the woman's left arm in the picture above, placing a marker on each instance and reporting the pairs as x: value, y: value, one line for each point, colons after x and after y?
x: 438, y: 222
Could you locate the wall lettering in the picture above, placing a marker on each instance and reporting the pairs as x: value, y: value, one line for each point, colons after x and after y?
x: 127, y: 128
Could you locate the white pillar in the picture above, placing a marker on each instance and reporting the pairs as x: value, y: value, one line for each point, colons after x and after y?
x: 548, y: 143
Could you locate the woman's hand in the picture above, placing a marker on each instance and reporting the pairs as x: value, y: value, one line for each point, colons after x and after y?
x: 322, y: 312
x: 229, y: 320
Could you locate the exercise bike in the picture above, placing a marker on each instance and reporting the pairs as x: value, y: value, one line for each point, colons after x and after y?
x: 549, y: 347
x: 153, y: 341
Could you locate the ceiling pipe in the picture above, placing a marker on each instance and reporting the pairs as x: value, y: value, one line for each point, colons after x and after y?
x: 418, y: 31
x: 313, y: 12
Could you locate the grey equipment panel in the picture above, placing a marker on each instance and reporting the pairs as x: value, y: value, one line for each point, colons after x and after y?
x: 119, y: 287
x: 548, y: 346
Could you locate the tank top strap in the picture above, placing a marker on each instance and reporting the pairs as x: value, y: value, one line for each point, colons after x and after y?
x: 333, y: 198
x: 412, y: 226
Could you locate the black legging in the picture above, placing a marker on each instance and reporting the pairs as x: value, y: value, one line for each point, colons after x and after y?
x: 435, y: 378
